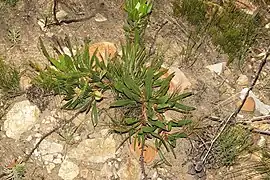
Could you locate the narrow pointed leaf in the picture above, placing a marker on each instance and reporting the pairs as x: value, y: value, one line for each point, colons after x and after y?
x: 181, y: 96
x: 183, y: 107
x: 156, y: 135
x: 148, y: 129
x: 158, y: 124
x: 131, y: 84
x: 148, y: 83
x: 44, y: 51
x: 183, y: 122
x: 130, y: 121
x: 163, y: 99
x: 120, y: 103
x: 94, y: 114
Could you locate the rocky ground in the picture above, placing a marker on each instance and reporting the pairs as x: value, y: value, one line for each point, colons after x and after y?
x: 80, y: 151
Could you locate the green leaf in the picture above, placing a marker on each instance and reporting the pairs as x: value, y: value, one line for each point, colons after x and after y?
x: 131, y: 84
x: 130, y: 121
x: 131, y: 95
x: 172, y: 144
x: 94, y: 114
x: 162, y: 157
x: 124, y: 102
x: 148, y: 83
x: 68, y: 62
x: 175, y: 136
x: 148, y: 129
x: 56, y: 64
x: 158, y: 124
x: 156, y: 135
x: 119, y: 86
x: 163, y: 99
x: 121, y: 129
x: 163, y: 106
x: 183, y: 107
x: 181, y: 96
x: 183, y: 122
x: 165, y: 85
x: 44, y: 51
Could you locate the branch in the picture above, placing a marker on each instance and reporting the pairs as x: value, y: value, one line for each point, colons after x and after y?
x: 261, y: 132
x: 54, y: 12
x: 234, y: 114
x: 48, y: 134
x: 64, y: 21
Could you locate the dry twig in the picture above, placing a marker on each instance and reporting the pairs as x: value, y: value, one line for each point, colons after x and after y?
x: 48, y: 134
x: 234, y: 114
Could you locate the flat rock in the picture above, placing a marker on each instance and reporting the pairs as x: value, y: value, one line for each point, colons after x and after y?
x: 20, y: 118
x: 49, y: 150
x: 249, y: 105
x: 68, y: 170
x: 179, y: 82
x: 96, y: 150
x: 217, y: 68
x: 104, y: 49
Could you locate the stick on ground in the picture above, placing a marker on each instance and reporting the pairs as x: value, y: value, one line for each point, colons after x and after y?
x: 234, y: 114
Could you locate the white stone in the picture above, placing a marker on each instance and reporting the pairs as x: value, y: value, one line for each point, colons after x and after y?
x: 109, y: 171
x: 21, y: 118
x: 60, y: 15
x: 25, y: 82
x: 217, y: 68
x: 38, y: 135
x: 48, y: 150
x: 84, y: 173
x: 68, y: 170
x: 242, y: 80
x: 50, y: 167
x: 100, y: 18
x: 96, y: 150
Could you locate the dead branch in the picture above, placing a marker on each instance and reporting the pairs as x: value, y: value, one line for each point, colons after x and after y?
x: 261, y: 132
x: 48, y: 134
x: 55, y: 3
x: 64, y: 21
x: 234, y: 114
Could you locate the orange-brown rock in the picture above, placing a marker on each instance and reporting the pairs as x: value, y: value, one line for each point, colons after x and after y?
x: 103, y: 49
x: 149, y: 154
x: 249, y: 105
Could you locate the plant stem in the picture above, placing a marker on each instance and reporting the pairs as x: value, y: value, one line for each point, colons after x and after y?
x: 142, y: 162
